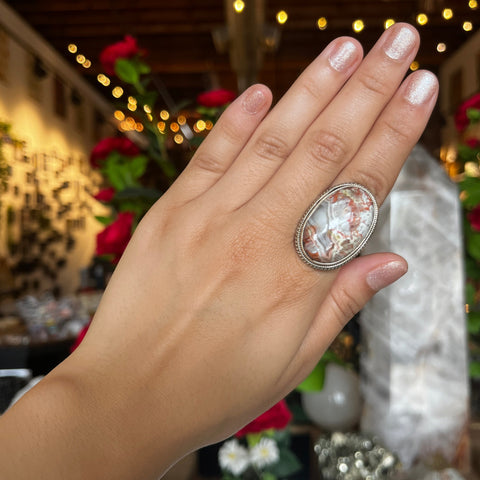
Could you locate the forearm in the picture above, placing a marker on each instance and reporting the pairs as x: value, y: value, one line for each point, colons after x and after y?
x: 71, y: 426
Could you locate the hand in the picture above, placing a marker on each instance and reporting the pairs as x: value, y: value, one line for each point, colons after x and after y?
x: 211, y: 317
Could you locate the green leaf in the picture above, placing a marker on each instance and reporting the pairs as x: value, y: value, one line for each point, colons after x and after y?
x: 149, y: 194
x: 104, y: 220
x: 314, y: 382
x: 287, y: 464
x: 112, y: 172
x: 143, y: 68
x: 473, y: 322
x: 473, y: 114
x: 126, y: 70
x: 471, y: 186
x: 137, y: 166
x: 253, y: 438
x: 472, y: 268
x: 470, y: 293
x: 474, y: 369
x: 473, y: 245
x: 268, y: 476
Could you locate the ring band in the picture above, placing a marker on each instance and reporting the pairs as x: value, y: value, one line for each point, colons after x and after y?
x: 336, y: 226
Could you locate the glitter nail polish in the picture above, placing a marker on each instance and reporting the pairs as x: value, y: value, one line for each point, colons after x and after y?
x: 421, y: 87
x: 343, y: 56
x: 401, y: 44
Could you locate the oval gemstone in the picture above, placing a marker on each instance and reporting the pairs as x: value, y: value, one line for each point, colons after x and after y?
x: 337, y: 226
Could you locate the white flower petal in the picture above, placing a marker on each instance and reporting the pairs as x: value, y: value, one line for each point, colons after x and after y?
x: 264, y: 453
x: 233, y: 457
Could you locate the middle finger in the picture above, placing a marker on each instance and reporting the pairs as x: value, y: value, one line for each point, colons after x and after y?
x: 336, y: 135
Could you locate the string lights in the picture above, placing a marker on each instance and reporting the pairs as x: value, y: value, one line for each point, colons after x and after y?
x: 200, y: 125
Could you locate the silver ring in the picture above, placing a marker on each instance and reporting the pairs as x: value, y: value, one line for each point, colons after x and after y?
x: 336, y: 226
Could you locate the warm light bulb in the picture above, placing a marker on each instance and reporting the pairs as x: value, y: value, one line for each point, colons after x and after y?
x: 178, y: 139
x: 139, y: 127
x: 414, y: 66
x: 161, y: 126
x: 388, y: 23
x: 72, y: 48
x: 164, y: 115
x: 119, y: 115
x: 208, y: 124
x: 238, y: 6
x: 132, y: 106
x: 147, y: 109
x: 200, y: 125
x: 174, y: 127
x: 117, y: 92
x: 87, y: 64
x: 322, y: 23
x: 181, y: 120
x: 358, y: 25
x: 447, y: 13
x: 80, y: 59
x: 132, y: 100
x: 467, y: 26
x: 441, y: 47
x: 473, y: 4
x: 282, y: 17
x: 422, y: 19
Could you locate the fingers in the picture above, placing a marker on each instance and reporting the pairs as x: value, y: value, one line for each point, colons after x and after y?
x: 353, y: 287
x: 278, y: 134
x: 223, y: 144
x: 397, y: 130
x: 334, y: 139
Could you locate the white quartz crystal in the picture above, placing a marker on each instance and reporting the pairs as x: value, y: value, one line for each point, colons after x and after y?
x: 414, y: 365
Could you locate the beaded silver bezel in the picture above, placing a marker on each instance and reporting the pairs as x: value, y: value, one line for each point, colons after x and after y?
x: 301, y: 229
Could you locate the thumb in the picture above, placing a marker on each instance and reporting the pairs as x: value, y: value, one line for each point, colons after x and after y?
x: 354, y: 286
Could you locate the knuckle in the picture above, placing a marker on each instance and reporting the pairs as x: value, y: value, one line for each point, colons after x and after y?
x: 327, y: 148
x: 346, y: 306
x: 208, y: 163
x: 374, y: 180
x: 373, y: 83
x: 312, y: 88
x: 398, y: 132
x: 271, y: 147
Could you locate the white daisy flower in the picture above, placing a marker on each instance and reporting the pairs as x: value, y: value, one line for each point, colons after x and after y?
x: 264, y: 453
x: 233, y: 457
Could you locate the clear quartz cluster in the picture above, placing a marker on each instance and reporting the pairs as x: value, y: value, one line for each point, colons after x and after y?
x: 414, y: 375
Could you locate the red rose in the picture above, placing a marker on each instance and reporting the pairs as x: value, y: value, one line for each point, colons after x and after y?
x: 104, y: 147
x: 79, y: 338
x: 461, y: 119
x: 472, y: 142
x: 127, y: 48
x: 277, y: 417
x: 105, y: 195
x: 474, y: 218
x: 114, y: 238
x: 216, y: 98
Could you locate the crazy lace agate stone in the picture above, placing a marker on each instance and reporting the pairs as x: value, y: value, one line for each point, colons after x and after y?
x: 337, y: 226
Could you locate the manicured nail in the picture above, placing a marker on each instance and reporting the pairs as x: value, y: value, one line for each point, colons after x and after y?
x: 343, y: 56
x: 421, y: 88
x: 253, y: 101
x: 385, y: 275
x: 401, y: 44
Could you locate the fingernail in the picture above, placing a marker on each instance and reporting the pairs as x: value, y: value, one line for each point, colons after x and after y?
x: 421, y: 88
x: 386, y: 274
x: 253, y: 101
x: 400, y: 45
x: 343, y: 56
